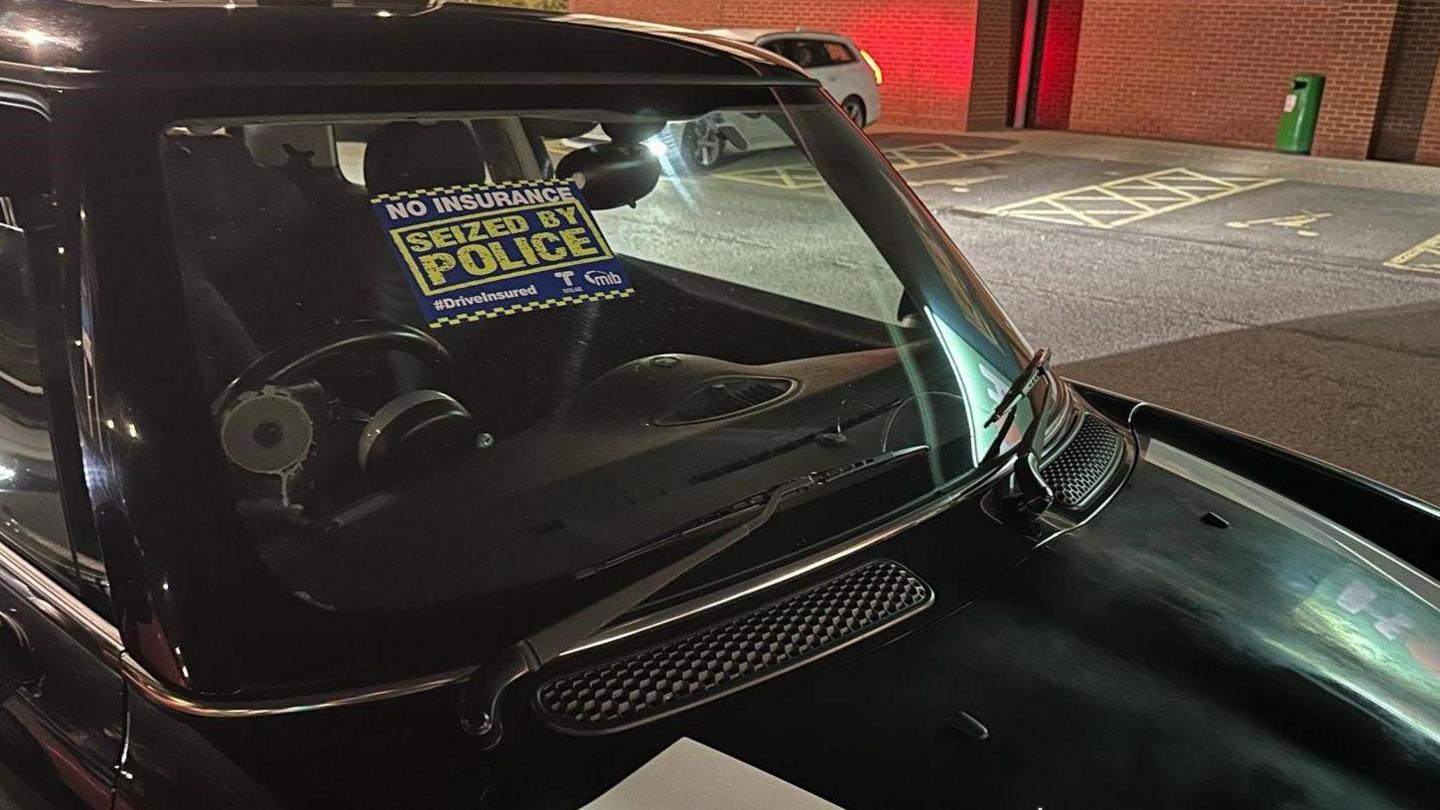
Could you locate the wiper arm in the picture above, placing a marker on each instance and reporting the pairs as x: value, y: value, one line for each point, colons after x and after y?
x: 480, y: 702
x: 1021, y: 386
x: 707, y: 522
x: 1025, y: 494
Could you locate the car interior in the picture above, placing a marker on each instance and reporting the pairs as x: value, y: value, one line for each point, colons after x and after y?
x: 347, y: 423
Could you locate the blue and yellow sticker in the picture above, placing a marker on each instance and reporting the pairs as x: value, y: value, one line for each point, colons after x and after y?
x: 483, y: 251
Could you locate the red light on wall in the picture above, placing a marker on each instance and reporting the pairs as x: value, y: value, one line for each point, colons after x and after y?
x: 870, y: 60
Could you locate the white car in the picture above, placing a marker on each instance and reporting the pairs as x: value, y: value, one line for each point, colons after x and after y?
x: 846, y: 71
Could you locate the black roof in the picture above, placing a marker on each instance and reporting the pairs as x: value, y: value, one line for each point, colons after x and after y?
x: 67, y: 42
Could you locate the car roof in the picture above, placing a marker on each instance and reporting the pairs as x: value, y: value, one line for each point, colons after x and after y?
x: 757, y: 34
x: 70, y: 42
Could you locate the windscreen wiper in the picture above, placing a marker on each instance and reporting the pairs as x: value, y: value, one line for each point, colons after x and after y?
x: 480, y: 701
x: 708, y: 522
x: 1025, y: 494
x: 1022, y: 385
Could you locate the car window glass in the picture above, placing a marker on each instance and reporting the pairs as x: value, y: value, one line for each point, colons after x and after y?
x: 539, y: 339
x: 807, y: 53
x: 32, y: 519
x: 837, y: 53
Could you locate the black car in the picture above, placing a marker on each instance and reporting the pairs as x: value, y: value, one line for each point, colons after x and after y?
x: 390, y: 418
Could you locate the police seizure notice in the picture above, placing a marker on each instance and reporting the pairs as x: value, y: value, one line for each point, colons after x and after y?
x: 482, y: 251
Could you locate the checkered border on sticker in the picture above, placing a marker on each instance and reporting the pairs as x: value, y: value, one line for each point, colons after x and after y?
x: 392, y: 196
x: 513, y: 309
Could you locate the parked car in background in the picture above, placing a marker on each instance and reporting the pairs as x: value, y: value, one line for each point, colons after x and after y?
x: 849, y: 73
x: 845, y: 70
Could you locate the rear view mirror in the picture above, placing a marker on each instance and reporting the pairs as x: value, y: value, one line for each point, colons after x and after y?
x: 611, y: 175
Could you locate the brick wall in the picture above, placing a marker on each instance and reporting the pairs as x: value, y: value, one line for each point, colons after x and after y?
x: 1057, y: 63
x: 1218, y: 71
x: 928, y: 53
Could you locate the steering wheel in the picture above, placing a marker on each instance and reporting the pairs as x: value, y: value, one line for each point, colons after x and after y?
x: 265, y: 429
x: 300, y: 354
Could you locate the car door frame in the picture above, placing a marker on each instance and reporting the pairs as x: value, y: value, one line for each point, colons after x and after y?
x: 67, y: 719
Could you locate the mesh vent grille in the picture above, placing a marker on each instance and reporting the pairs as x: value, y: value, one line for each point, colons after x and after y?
x: 1086, y: 462
x: 738, y: 653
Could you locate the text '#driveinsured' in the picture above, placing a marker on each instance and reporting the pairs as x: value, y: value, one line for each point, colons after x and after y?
x: 483, y: 251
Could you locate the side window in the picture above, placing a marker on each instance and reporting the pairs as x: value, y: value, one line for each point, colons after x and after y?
x: 32, y: 519
x: 838, y: 53
x: 807, y: 53
x: 780, y: 46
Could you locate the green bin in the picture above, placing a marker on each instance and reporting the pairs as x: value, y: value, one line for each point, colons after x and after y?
x: 1302, y: 108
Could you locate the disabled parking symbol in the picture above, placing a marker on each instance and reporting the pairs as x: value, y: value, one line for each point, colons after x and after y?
x: 1300, y: 223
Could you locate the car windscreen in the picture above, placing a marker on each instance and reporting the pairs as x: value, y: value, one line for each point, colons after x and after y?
x: 477, y: 357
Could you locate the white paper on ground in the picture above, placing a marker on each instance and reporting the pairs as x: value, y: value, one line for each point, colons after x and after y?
x: 692, y: 776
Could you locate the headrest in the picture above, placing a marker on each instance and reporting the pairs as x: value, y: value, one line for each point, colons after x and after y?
x: 407, y: 155
x: 223, y: 200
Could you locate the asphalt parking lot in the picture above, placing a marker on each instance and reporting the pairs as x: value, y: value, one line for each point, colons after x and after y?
x: 1281, y: 299
x: 1291, y: 298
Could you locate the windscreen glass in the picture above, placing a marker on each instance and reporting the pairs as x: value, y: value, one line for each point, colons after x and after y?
x: 476, y: 355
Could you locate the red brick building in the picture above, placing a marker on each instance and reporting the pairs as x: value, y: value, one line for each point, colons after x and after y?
x: 1215, y: 71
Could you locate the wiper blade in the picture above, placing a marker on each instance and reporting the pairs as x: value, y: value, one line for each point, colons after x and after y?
x: 709, y: 520
x: 1022, y: 385
x: 480, y: 702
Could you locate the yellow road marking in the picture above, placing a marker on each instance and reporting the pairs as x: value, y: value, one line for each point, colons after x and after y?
x: 925, y: 156
x: 1299, y: 222
x: 1423, y: 258
x: 904, y: 158
x: 1130, y: 199
x: 959, y: 185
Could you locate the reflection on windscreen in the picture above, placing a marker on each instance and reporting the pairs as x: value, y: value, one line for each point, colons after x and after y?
x: 460, y: 357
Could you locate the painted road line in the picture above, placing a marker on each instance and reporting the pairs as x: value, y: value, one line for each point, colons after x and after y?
x: 1300, y: 223
x: 790, y: 176
x: 1423, y: 258
x: 929, y: 155
x: 959, y: 185
x: 1131, y: 199
x: 795, y: 176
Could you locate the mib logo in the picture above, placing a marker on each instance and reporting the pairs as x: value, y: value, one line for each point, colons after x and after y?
x: 603, y: 279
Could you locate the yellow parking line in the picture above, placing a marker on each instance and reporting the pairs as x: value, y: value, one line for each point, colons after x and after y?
x: 1427, y: 253
x: 1138, y: 202
x: 1083, y: 216
x: 794, y: 176
x: 1120, y: 202
x: 929, y: 155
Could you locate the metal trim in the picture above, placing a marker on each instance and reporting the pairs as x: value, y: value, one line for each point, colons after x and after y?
x: 165, y: 696
x: 64, y: 607
x: 136, y: 675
